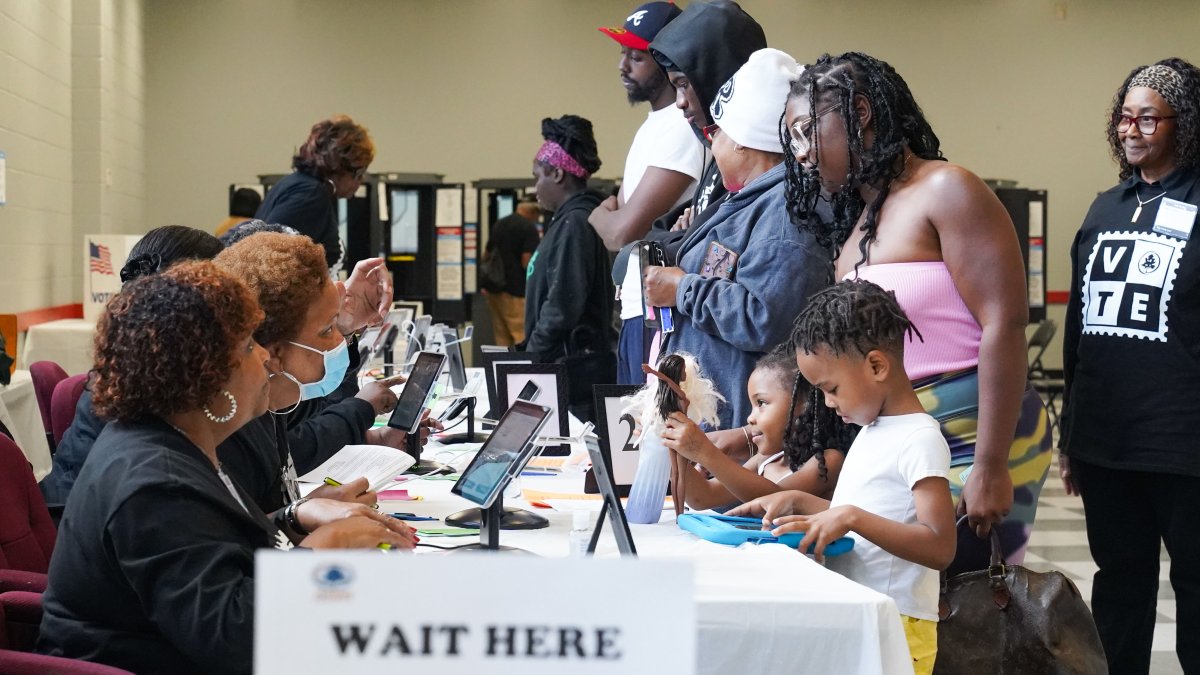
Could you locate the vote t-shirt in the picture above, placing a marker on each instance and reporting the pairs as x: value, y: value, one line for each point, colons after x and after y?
x: 1131, y: 342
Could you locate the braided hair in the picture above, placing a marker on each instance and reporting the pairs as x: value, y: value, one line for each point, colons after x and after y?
x: 815, y: 426
x: 897, y: 122
x: 1187, y: 127
x: 853, y: 317
x: 574, y: 135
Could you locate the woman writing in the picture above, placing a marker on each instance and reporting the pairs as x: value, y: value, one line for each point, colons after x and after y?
x: 936, y: 235
x: 154, y: 564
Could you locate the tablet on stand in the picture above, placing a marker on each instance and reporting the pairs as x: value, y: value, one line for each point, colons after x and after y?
x: 502, y: 457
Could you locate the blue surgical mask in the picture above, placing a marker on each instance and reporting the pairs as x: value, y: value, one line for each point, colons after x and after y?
x: 337, y: 360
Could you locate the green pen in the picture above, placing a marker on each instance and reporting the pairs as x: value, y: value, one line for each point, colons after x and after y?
x: 383, y: 545
x: 331, y: 482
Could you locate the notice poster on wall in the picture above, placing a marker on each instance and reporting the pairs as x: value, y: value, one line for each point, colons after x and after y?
x: 449, y: 207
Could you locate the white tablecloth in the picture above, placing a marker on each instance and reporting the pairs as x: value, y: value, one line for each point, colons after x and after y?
x: 67, y: 342
x: 19, y: 414
x: 760, y: 609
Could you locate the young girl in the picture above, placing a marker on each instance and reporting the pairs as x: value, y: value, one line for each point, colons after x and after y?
x: 800, y: 444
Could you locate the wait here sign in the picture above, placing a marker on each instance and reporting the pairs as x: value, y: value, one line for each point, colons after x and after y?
x: 325, y: 611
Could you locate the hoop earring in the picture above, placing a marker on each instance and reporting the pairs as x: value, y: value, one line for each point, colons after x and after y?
x: 227, y: 417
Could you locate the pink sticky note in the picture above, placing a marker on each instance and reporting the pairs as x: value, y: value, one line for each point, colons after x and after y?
x: 396, y: 495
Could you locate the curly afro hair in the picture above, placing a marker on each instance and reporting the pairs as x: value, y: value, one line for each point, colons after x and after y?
x: 286, y: 272
x: 1187, y: 127
x: 335, y: 145
x: 853, y: 316
x: 167, y: 343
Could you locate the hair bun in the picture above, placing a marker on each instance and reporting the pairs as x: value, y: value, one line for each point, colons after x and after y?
x: 141, y: 266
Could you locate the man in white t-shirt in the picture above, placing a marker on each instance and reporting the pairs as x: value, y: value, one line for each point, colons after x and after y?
x: 661, y: 169
x: 892, y: 495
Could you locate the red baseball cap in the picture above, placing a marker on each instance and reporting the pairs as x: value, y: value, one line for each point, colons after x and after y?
x: 641, y: 26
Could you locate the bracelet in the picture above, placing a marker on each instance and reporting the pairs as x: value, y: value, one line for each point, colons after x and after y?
x: 749, y: 443
x: 289, y: 517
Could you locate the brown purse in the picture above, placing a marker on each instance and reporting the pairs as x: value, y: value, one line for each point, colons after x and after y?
x: 1010, y: 620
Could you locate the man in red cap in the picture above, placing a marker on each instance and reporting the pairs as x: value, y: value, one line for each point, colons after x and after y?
x: 661, y: 169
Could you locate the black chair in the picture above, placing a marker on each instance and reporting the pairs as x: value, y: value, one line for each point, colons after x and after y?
x: 1050, y: 388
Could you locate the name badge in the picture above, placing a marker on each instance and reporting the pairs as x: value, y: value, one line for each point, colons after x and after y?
x: 1175, y: 218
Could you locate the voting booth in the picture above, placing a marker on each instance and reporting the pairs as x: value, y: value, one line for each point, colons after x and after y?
x: 1028, y: 209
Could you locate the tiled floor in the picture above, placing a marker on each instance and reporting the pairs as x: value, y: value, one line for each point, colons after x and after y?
x: 1060, y: 542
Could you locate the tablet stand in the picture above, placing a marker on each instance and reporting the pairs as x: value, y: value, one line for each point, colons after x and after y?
x: 421, y: 467
x: 469, y: 436
x: 624, y: 541
x: 490, y: 524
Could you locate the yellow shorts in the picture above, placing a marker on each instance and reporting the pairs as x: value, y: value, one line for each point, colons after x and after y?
x: 922, y: 643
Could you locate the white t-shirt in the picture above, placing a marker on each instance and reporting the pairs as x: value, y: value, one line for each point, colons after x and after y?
x: 666, y: 141
x: 887, y: 458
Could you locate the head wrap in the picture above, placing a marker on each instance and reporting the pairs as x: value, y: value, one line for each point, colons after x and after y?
x: 553, y: 154
x: 1163, y: 79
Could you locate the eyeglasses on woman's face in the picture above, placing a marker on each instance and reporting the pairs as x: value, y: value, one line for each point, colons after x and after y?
x: 1146, y: 124
x: 802, y: 131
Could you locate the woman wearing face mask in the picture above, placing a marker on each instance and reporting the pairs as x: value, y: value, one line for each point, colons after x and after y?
x: 257, y: 452
x: 746, y: 271
x: 309, y: 358
x: 154, y: 565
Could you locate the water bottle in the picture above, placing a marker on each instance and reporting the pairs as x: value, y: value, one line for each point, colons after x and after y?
x: 650, y: 482
x: 581, y: 533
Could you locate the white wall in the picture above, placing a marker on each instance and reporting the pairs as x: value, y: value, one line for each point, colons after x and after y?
x: 1014, y: 89
x: 71, y: 122
x: 35, y: 133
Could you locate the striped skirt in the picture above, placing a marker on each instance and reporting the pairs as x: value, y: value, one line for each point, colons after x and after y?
x: 953, y: 399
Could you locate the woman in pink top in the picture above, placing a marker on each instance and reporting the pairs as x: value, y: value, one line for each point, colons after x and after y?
x: 933, y: 233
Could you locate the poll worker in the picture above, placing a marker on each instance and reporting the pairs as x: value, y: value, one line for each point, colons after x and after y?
x: 1131, y: 358
x: 332, y: 163
x: 154, y: 564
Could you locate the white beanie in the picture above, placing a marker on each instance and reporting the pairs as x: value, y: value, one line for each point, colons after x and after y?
x: 749, y: 105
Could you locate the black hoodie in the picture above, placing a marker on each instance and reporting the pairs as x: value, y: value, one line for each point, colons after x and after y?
x: 708, y: 43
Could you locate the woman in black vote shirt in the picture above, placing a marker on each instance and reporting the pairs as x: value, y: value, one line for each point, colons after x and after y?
x: 1131, y: 358
x: 154, y: 565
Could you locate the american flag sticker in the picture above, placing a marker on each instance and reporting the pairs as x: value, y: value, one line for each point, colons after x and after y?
x: 99, y: 259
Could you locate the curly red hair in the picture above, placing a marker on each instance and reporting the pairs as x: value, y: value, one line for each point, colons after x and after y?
x: 335, y: 145
x: 287, y: 273
x: 168, y: 343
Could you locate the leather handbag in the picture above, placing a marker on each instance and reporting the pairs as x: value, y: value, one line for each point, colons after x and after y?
x: 1011, y: 620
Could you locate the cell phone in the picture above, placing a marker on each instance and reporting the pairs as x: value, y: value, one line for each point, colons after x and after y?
x: 453, y: 410
x: 529, y: 392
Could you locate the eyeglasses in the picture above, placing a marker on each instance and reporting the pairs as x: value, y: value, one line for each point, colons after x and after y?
x: 709, y: 131
x: 1147, y: 124
x: 358, y: 174
x: 802, y: 130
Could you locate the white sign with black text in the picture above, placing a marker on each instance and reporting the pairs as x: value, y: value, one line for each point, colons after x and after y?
x: 329, y: 611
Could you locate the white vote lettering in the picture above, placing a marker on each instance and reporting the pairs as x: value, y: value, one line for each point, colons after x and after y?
x: 1110, y: 260
x: 1138, y: 311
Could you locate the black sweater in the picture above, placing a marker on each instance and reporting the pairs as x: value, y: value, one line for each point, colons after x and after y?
x: 305, y: 203
x: 1131, y: 343
x: 568, y: 285
x: 153, y: 570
